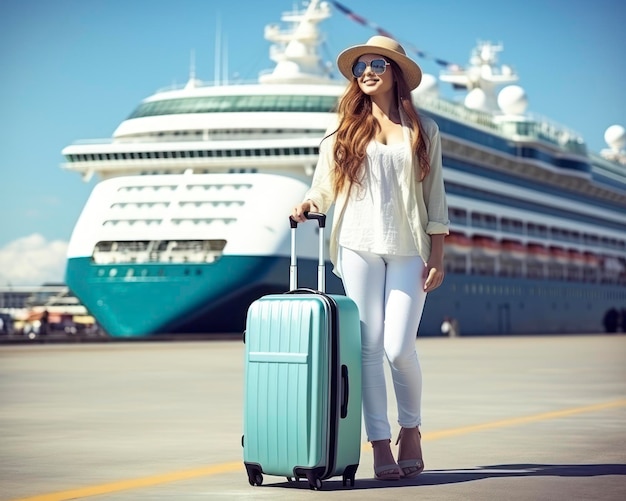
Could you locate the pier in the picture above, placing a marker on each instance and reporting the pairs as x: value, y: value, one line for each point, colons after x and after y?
x: 504, y: 418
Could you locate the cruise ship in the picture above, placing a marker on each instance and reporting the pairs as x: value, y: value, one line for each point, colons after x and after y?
x: 188, y: 223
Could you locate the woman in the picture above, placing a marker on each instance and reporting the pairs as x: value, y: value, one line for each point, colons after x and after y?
x: 381, y: 167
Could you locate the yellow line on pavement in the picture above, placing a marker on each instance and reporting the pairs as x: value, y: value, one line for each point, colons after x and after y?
x: 545, y: 416
x: 151, y: 481
x: 135, y: 483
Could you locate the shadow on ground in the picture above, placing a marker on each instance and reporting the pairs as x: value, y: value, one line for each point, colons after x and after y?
x: 442, y: 477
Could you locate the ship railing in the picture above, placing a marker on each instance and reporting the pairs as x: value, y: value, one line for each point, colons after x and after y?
x: 530, y: 127
x: 458, y: 111
x: 205, y: 83
x: 171, y: 251
x: 604, y: 268
x: 113, y: 258
x: 106, y: 140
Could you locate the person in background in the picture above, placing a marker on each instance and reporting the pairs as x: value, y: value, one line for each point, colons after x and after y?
x: 450, y: 327
x: 381, y: 167
x: 44, y: 323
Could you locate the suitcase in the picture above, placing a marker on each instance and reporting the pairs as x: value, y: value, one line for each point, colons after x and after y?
x: 302, y: 395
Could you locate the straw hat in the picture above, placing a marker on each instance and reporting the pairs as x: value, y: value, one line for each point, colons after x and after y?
x: 385, y: 47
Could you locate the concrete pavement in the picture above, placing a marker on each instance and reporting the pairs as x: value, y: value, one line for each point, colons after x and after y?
x: 511, y: 418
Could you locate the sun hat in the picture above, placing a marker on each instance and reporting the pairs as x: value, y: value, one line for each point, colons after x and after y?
x: 386, y: 47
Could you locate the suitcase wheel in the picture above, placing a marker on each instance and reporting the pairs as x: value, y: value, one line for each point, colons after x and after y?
x: 316, y: 484
x: 255, y: 477
x: 349, y: 474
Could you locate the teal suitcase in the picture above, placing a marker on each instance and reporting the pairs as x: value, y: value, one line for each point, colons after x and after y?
x: 302, y: 395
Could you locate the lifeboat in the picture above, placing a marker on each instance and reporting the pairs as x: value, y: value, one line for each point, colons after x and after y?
x: 458, y: 243
x: 514, y: 249
x: 559, y: 255
x: 539, y: 252
x: 576, y: 257
x: 486, y: 245
x: 591, y: 259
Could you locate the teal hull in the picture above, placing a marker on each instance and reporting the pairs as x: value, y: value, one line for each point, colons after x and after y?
x: 148, y: 300
x: 141, y: 300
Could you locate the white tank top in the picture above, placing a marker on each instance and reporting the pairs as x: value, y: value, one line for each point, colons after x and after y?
x: 374, y: 219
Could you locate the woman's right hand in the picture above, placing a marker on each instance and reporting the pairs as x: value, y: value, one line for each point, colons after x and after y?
x: 298, y: 211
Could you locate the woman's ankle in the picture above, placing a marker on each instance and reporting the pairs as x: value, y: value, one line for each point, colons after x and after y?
x: 382, y: 451
x: 409, y: 440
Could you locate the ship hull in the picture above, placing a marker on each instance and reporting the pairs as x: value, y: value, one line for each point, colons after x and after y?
x: 213, y: 298
x: 154, y: 298
x: 505, y: 305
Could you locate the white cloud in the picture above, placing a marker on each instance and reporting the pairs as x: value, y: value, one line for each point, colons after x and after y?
x: 32, y: 260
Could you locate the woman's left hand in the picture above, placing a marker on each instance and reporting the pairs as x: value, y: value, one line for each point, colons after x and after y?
x: 433, y: 276
x: 434, y: 271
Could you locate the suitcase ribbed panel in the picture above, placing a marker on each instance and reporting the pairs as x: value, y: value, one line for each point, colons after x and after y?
x: 287, y: 381
x: 349, y: 428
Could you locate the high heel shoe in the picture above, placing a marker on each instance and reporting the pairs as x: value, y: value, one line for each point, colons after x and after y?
x: 385, y: 472
x: 411, y: 468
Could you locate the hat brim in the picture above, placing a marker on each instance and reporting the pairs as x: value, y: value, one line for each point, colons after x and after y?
x: 410, y: 69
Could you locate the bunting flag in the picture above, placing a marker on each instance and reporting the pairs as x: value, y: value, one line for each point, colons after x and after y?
x: 420, y: 53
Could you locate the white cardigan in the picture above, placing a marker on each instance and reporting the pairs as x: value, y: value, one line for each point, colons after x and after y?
x: 424, y: 202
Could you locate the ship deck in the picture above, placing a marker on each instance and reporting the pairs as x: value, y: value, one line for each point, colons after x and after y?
x: 513, y: 418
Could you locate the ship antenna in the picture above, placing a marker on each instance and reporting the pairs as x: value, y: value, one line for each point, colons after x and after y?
x: 218, y: 36
x: 192, y: 65
x: 225, y: 63
x: 192, y: 83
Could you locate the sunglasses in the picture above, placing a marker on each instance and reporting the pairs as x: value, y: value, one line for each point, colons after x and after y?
x: 378, y: 66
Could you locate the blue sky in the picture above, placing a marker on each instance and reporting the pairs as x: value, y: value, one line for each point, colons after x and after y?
x: 74, y: 69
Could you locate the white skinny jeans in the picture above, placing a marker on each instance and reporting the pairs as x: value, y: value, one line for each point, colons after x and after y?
x: 389, y: 293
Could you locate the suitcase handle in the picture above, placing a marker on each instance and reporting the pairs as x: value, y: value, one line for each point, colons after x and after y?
x: 321, y: 219
x: 303, y: 290
x: 345, y: 391
x: 321, y: 267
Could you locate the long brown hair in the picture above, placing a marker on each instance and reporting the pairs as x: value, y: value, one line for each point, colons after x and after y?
x: 358, y: 127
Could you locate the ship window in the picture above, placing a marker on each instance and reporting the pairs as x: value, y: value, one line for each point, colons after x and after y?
x: 271, y: 103
x: 537, y: 230
x: 243, y: 103
x: 480, y: 220
x: 458, y: 216
x: 212, y: 104
x: 511, y: 225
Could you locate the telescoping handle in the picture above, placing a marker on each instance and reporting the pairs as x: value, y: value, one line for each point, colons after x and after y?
x: 321, y: 268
